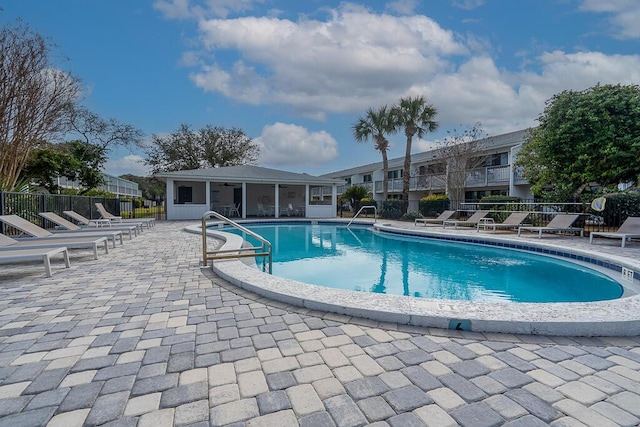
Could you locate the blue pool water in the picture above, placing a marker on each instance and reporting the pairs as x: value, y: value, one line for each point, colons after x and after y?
x: 363, y: 260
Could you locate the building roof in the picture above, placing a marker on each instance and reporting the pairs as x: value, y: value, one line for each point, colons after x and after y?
x: 490, y: 143
x: 248, y: 174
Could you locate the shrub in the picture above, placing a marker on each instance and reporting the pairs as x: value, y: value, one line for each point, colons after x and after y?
x: 391, y: 209
x: 619, y: 206
x: 502, y: 203
x: 434, y: 205
x: 367, y: 201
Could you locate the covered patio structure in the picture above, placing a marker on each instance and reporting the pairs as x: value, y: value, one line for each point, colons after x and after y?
x: 249, y: 191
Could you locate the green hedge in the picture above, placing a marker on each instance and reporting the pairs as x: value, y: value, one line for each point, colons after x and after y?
x: 619, y: 207
x: 434, y: 205
x: 391, y: 209
x: 502, y: 203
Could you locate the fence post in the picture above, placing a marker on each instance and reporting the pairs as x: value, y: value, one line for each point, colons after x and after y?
x: 2, y: 210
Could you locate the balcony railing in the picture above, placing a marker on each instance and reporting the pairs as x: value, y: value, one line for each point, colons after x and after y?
x: 493, y: 175
x: 482, y: 177
x: 428, y: 182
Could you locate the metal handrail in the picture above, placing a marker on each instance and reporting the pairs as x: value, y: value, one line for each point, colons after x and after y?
x: 257, y: 251
x: 375, y: 214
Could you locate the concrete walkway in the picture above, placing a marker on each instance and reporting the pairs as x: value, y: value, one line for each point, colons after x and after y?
x: 145, y: 337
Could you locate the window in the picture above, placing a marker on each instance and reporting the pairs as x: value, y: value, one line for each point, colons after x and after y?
x: 190, y: 192
x: 367, y: 178
x: 500, y: 159
x: 396, y: 174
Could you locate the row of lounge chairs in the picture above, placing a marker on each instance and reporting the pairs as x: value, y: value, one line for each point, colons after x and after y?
x: 36, y: 243
x: 561, y: 223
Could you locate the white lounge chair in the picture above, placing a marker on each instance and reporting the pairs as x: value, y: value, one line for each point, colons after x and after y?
x: 10, y: 256
x: 560, y: 223
x: 34, y: 231
x: 472, y: 221
x: 630, y: 229
x: 439, y: 220
x: 150, y: 222
x: 71, y: 243
x: 102, y: 222
x: 513, y: 221
x: 69, y: 226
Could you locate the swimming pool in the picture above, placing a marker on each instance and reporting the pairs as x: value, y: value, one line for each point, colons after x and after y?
x: 359, y: 259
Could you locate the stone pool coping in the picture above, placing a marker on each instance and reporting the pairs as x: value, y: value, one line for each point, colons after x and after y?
x: 620, y: 317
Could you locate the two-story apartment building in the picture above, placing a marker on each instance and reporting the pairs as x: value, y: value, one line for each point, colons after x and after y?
x: 428, y: 173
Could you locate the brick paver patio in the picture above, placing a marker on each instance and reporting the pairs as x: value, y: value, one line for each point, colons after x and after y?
x: 144, y: 337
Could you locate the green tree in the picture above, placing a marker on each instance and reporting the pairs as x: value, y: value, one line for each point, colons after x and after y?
x: 355, y: 193
x: 74, y: 160
x: 152, y: 188
x: 584, y: 137
x: 416, y: 116
x: 35, y: 98
x: 211, y: 146
x: 375, y: 125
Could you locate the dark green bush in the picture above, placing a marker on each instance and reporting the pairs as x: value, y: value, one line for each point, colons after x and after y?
x: 619, y: 206
x: 356, y: 205
x: 502, y: 203
x: 391, y: 209
x: 434, y: 205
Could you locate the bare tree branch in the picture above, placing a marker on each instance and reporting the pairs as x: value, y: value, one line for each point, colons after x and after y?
x: 35, y: 98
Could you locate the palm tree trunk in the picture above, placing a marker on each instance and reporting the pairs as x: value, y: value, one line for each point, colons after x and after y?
x: 406, y: 174
x: 385, y: 181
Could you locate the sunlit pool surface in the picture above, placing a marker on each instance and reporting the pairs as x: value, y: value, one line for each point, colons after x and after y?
x: 360, y: 259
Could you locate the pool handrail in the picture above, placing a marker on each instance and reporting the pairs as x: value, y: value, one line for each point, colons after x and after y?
x: 256, y: 251
x: 375, y: 214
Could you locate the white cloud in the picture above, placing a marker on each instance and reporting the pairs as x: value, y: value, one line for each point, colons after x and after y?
x: 131, y: 164
x: 467, y: 4
x: 501, y: 101
x: 355, y: 59
x: 624, y: 15
x: 421, y: 145
x: 284, y: 144
x: 402, y: 7
x: 201, y: 9
x: 344, y: 64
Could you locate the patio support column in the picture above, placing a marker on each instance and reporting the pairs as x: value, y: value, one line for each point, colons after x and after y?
x: 169, y: 204
x: 334, y: 198
x: 244, y: 200
x: 276, y: 208
x: 306, y: 199
x: 207, y: 194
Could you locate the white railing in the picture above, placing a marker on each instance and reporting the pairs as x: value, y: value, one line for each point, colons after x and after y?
x: 375, y: 214
x: 263, y: 251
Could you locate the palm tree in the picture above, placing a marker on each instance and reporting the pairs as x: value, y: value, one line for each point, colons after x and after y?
x: 375, y: 125
x: 416, y: 116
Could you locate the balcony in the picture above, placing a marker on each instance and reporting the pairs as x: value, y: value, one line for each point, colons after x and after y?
x: 428, y: 182
x: 518, y: 177
x: 368, y: 185
x: 489, y: 176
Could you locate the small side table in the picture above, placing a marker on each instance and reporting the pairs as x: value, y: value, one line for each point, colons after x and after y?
x: 484, y: 223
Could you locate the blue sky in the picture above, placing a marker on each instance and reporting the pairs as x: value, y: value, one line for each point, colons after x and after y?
x: 296, y: 74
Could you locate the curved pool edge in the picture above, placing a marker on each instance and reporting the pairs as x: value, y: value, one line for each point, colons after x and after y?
x: 620, y: 317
